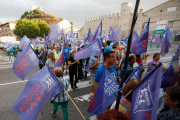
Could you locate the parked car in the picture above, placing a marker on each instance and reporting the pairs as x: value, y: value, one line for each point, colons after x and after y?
x: 12, y: 49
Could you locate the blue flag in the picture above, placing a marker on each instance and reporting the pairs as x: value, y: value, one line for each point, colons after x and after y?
x: 146, y: 96
x: 92, y: 49
x: 62, y: 31
x: 25, y: 62
x: 135, y: 39
x: 98, y: 32
x: 118, y: 34
x: 166, y: 42
x: 55, y: 32
x: 156, y: 40
x: 40, y: 88
x: 105, y: 36
x: 112, y: 34
x: 6, y: 44
x: 34, y: 42
x: 61, y: 58
x: 90, y: 36
x: 142, y: 43
x: 47, y: 41
x: 87, y: 37
x: 106, y: 87
x: 24, y: 43
x: 38, y: 41
x: 87, y: 67
x: 170, y: 75
x: 135, y: 74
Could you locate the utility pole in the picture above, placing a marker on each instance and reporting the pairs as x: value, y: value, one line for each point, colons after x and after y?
x: 128, y: 48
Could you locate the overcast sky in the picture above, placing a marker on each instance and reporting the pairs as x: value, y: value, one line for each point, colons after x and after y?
x: 76, y: 11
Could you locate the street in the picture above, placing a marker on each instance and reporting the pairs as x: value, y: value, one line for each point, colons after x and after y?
x: 11, y: 87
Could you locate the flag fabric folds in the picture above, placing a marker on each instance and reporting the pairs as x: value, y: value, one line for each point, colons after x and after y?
x: 61, y: 58
x: 170, y: 75
x: 92, y: 49
x: 135, y: 74
x: 24, y: 43
x: 34, y: 42
x: 6, y: 44
x: 142, y: 43
x: 146, y: 96
x: 156, y: 40
x: 40, y: 88
x: 25, y: 62
x: 118, y: 34
x: 105, y: 36
x: 106, y: 87
x: 55, y: 32
x: 166, y: 42
x: 98, y: 32
x: 112, y: 34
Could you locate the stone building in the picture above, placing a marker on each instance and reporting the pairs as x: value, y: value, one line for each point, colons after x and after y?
x: 169, y: 11
x: 7, y: 29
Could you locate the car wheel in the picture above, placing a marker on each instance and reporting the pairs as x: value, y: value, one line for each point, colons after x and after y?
x: 11, y: 53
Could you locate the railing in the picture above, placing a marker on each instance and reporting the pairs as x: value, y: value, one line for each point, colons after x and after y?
x: 4, y: 57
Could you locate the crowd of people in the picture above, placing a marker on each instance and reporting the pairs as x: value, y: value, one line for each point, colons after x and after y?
x: 113, y: 59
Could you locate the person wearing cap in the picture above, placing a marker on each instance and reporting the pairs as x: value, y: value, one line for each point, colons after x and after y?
x: 42, y: 54
x: 52, y: 60
x: 57, y: 53
x: 73, y: 69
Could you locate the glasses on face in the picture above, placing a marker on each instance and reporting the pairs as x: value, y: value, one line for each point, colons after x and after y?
x: 166, y: 96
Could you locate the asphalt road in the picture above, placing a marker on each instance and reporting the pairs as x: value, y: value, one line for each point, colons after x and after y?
x: 11, y: 87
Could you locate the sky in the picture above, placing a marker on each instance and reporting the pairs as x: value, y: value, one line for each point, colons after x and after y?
x: 76, y: 11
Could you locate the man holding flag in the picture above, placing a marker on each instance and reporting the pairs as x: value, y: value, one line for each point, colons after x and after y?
x: 109, y: 61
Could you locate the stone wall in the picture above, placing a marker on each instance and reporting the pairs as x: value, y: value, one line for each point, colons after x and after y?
x: 158, y: 13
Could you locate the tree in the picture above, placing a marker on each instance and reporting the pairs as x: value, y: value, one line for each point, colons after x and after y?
x: 31, y: 28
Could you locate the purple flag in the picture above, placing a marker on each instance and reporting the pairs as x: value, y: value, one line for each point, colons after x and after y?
x: 146, y: 95
x: 105, y: 36
x: 62, y: 31
x: 112, y: 34
x: 106, y: 87
x: 6, y: 44
x: 25, y: 62
x: 47, y: 41
x: 40, y: 88
x: 134, y: 43
x: 98, y: 32
x: 87, y: 67
x: 156, y: 40
x: 61, y: 58
x: 170, y: 75
x: 55, y: 32
x: 34, y: 42
x: 118, y: 34
x: 92, y: 49
x: 135, y: 74
x: 24, y: 43
x: 142, y: 43
x: 38, y: 41
x: 166, y: 42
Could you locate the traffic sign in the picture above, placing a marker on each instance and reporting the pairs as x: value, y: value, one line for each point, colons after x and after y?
x: 159, y: 31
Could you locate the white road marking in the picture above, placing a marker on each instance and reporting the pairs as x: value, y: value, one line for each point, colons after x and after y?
x: 92, y: 117
x: 66, y: 77
x: 83, y: 98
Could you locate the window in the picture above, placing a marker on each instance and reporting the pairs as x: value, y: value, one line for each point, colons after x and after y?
x: 170, y: 24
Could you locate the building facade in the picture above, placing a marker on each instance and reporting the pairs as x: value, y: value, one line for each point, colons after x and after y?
x: 7, y: 29
x: 169, y: 11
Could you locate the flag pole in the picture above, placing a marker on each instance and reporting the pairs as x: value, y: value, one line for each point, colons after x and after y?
x: 74, y: 104
x: 128, y: 48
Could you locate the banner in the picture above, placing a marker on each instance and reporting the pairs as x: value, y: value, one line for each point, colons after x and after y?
x: 98, y: 32
x: 40, y: 88
x: 112, y: 34
x: 55, y: 32
x: 146, y: 96
x: 25, y: 62
x: 118, y: 34
x: 92, y: 49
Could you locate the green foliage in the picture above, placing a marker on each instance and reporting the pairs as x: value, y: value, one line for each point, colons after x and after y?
x: 31, y: 28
